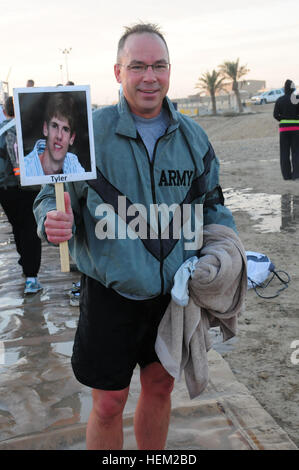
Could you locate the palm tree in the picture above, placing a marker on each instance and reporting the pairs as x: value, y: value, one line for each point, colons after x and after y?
x: 233, y: 71
x: 211, y: 82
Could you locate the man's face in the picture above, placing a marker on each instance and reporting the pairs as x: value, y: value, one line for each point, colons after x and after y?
x: 145, y: 91
x: 59, y: 137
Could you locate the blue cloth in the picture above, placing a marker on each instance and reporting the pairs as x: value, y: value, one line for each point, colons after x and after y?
x: 259, y: 268
x: 180, y: 291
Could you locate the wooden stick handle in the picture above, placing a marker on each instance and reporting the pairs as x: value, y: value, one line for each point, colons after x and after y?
x: 63, y: 246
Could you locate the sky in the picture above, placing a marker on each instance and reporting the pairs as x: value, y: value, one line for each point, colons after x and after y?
x: 200, y: 35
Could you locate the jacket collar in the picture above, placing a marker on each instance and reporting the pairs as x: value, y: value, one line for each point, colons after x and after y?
x: 126, y: 125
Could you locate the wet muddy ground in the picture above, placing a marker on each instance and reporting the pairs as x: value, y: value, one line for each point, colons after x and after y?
x: 42, y: 406
x: 266, y: 210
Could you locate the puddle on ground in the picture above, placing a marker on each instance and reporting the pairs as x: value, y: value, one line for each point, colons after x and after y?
x: 65, y: 348
x: 227, y: 162
x: 10, y: 357
x: 231, y: 162
x: 271, y: 212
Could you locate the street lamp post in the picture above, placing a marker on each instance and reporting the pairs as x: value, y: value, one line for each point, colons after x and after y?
x: 61, y: 76
x: 66, y: 52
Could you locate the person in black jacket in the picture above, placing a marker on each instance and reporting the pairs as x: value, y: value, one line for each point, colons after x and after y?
x: 286, y: 111
x: 17, y: 204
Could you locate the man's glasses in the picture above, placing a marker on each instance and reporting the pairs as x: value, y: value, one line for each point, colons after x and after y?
x: 141, y: 68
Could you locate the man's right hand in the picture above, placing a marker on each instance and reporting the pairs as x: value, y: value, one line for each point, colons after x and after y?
x: 58, y: 225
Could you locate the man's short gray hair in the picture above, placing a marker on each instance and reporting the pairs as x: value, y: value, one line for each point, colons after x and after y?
x: 139, y: 28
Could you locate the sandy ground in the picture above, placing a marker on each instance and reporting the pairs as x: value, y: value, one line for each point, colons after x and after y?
x: 266, y: 210
x: 42, y: 406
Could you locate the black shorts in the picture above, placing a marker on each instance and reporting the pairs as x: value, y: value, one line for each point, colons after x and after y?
x: 113, y: 335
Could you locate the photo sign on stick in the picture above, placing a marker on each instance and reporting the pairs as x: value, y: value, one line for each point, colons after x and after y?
x: 55, y: 140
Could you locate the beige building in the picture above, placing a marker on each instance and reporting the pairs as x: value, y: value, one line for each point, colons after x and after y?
x: 248, y: 87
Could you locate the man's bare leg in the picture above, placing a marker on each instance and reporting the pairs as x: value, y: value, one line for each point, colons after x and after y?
x: 153, y: 409
x: 105, y: 425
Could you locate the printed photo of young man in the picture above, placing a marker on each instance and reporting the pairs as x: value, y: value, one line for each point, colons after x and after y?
x: 51, y: 156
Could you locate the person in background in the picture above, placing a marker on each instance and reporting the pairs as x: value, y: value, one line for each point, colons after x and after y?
x: 17, y: 204
x: 2, y: 115
x: 30, y: 83
x: 286, y: 111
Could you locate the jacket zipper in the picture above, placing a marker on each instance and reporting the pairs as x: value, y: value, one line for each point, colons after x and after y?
x: 151, y: 165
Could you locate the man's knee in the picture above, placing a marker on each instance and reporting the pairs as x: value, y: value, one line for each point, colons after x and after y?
x: 108, y: 404
x: 155, y: 380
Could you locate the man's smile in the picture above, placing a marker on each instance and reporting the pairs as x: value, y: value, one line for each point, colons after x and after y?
x: 148, y: 91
